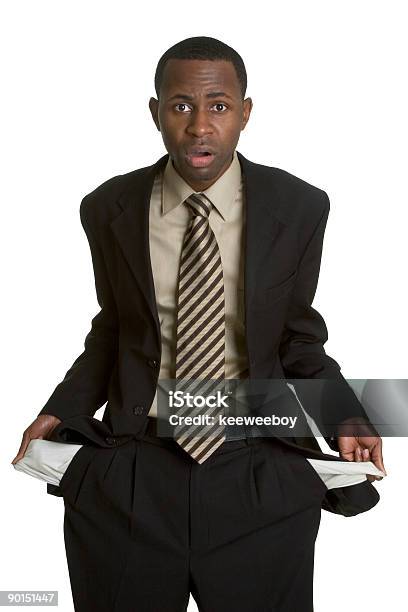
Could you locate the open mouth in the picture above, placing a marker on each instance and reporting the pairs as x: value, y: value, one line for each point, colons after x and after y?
x: 200, y: 159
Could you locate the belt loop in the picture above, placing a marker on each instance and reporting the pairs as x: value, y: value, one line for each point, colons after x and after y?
x: 247, y: 433
x: 250, y: 440
x: 142, y: 433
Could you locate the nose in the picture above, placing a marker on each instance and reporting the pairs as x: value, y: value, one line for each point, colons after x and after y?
x: 199, y: 124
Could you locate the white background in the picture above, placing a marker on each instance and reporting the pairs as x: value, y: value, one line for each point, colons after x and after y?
x: 328, y: 82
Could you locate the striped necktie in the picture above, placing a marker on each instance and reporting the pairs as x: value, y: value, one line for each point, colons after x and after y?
x: 200, y: 349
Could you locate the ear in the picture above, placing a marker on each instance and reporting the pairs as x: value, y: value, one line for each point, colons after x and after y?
x: 247, y: 107
x: 154, y: 109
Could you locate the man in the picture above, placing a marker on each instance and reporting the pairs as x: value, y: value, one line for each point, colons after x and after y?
x: 206, y: 264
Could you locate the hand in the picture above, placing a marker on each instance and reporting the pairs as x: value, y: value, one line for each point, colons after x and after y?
x: 363, y: 447
x: 39, y: 429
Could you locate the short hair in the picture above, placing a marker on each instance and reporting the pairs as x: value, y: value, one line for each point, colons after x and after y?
x: 204, y: 48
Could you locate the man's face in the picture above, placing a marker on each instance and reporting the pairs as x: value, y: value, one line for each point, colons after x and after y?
x: 200, y: 108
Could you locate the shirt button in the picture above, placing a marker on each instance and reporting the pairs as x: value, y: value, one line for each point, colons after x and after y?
x: 138, y: 410
x: 153, y: 363
x: 110, y: 440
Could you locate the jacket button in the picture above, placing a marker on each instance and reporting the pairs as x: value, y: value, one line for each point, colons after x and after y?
x: 110, y: 440
x: 138, y: 410
x: 153, y: 363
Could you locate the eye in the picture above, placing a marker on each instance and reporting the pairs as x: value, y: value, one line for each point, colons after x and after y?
x: 182, y: 104
x: 221, y: 104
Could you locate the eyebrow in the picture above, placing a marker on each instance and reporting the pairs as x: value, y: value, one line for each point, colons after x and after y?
x: 212, y: 94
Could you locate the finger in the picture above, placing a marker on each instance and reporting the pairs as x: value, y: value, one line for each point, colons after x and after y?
x: 366, y: 455
x: 349, y: 455
x: 346, y: 450
x: 358, y: 456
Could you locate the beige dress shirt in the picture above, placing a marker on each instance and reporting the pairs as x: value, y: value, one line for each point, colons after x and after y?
x: 168, y: 222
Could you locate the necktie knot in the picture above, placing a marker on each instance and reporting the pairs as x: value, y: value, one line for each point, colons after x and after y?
x: 199, y: 204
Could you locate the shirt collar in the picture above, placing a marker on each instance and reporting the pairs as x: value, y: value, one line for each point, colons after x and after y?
x: 222, y: 193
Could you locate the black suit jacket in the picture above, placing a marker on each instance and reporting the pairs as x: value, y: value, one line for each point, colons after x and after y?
x: 285, y: 335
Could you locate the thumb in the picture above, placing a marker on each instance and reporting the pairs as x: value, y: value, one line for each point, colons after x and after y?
x: 23, y: 447
x: 376, y: 458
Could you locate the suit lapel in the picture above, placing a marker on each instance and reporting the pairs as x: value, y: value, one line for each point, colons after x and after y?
x: 131, y: 229
x: 263, y: 224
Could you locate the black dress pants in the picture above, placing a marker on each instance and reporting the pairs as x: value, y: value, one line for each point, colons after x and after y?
x: 145, y: 525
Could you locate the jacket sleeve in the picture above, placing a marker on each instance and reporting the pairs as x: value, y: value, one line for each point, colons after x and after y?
x: 331, y: 401
x: 84, y: 388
